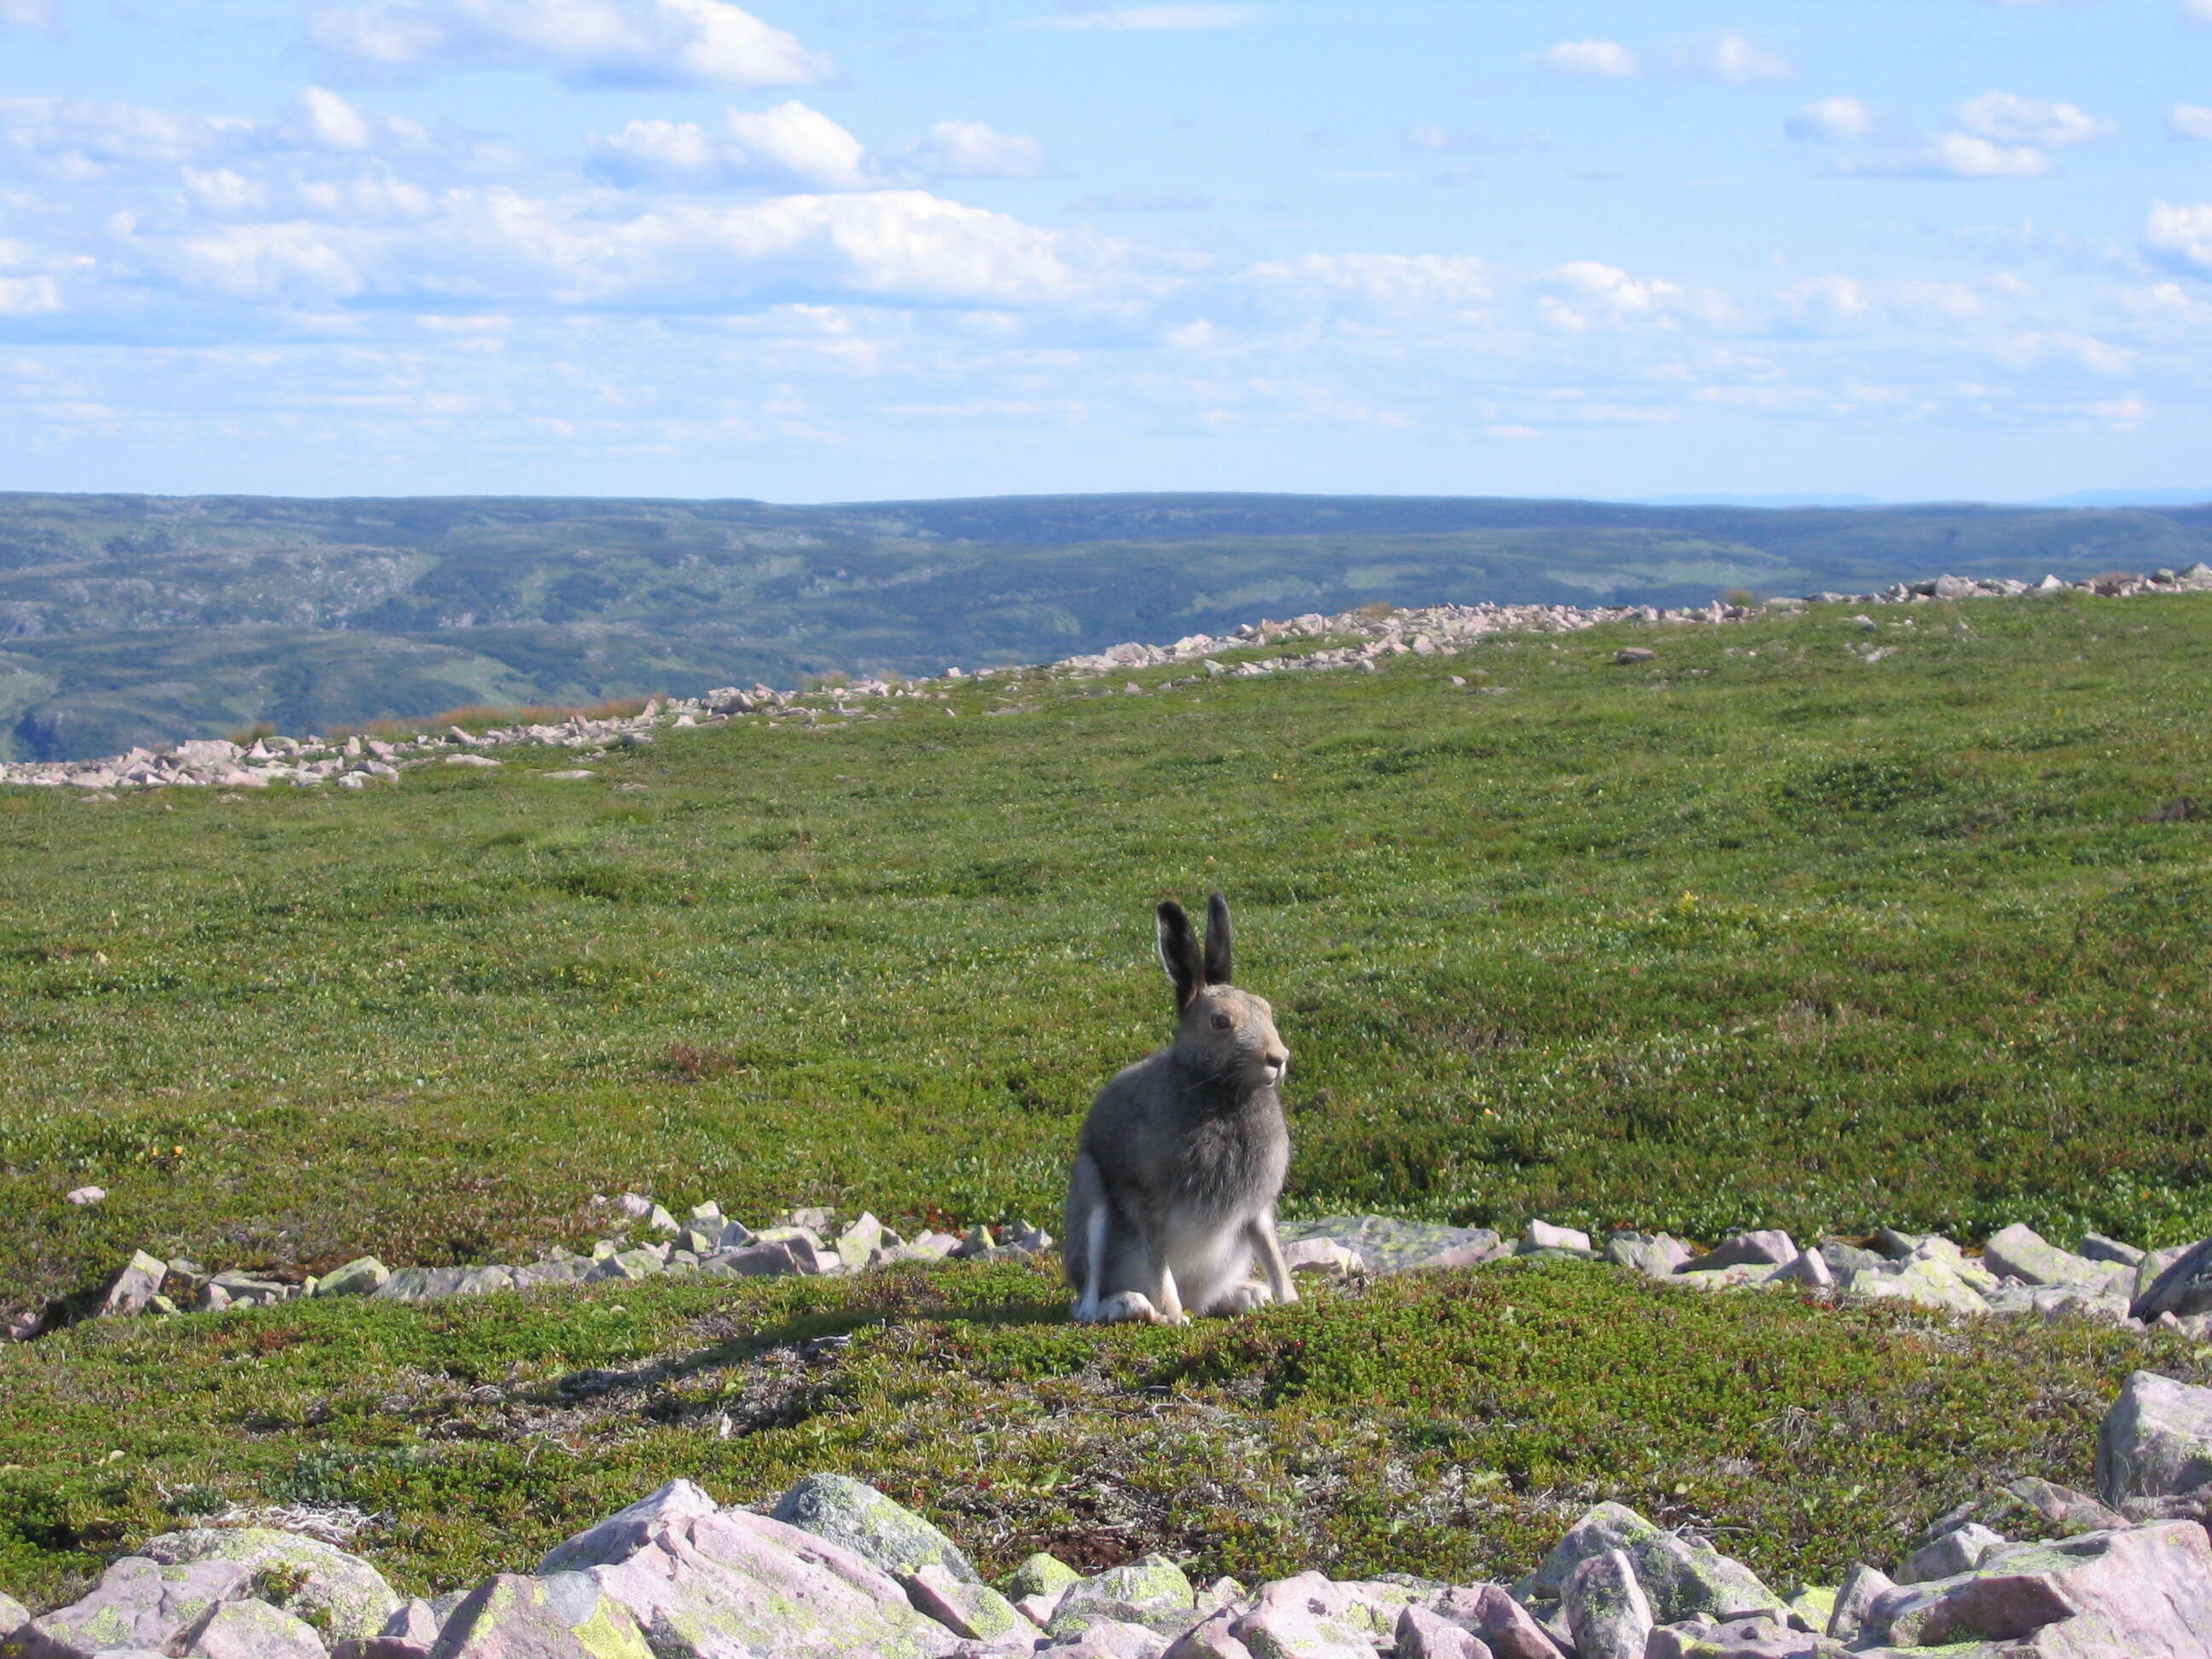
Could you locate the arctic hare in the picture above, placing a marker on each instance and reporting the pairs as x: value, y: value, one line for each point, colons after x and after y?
x: 1182, y: 1157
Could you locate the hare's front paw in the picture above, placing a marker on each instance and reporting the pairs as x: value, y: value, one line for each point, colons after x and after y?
x: 1128, y: 1306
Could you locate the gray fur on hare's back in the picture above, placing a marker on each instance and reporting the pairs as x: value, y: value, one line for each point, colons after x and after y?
x: 1171, y: 1203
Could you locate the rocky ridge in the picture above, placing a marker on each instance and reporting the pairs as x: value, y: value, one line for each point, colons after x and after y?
x: 838, y: 1570
x: 357, y: 763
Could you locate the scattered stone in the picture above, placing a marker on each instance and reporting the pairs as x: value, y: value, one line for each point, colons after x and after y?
x: 1607, y: 1610
x: 84, y: 1195
x: 1323, y: 1257
x: 138, y: 1603
x: 1862, y: 1588
x: 1543, y: 1236
x: 1959, y: 1551
x: 252, y: 1629
x: 1810, y: 1268
x: 567, y: 1616
x: 138, y: 1284
x: 973, y: 1610
x: 1510, y: 1629
x: 761, y: 1261
x: 1391, y: 1246
x: 340, y: 1595
x: 1042, y: 1574
x: 1424, y: 1634
x: 2096, y: 1247
x: 2182, y: 1288
x: 2155, y: 1442
x: 2020, y: 1252
x: 856, y: 1516
x: 624, y: 1531
x: 1656, y: 1255
x: 359, y: 1277
x: 1768, y: 1249
x: 1634, y: 654
x: 1151, y: 1592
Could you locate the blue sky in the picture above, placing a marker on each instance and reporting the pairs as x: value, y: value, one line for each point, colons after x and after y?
x: 879, y: 248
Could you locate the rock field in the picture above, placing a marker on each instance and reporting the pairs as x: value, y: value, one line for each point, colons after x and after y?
x: 1437, y: 631
x: 838, y: 1570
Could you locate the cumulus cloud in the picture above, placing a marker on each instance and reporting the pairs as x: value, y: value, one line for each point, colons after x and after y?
x: 1148, y: 17
x: 596, y: 42
x: 1733, y: 61
x: 1955, y: 156
x: 1607, y: 58
x: 1831, y: 120
x: 2191, y: 121
x: 970, y: 149
x: 2180, y: 235
x: 1396, y: 283
x: 789, y: 147
x: 32, y: 13
x: 1585, y: 296
x: 2007, y: 119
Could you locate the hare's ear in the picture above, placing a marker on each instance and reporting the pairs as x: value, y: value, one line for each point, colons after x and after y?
x: 1217, y: 940
x: 1179, y: 954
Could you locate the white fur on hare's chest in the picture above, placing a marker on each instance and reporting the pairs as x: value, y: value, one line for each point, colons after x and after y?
x: 1209, y: 1252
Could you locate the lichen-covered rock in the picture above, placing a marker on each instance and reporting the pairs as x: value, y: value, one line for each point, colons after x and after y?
x: 623, y: 1532
x: 359, y: 1277
x: 13, y: 1615
x: 2181, y: 1285
x: 252, y: 1629
x: 139, y: 1283
x: 1041, y: 1575
x: 1108, y: 1639
x: 341, y: 1595
x: 2020, y: 1252
x: 2155, y: 1441
x: 1961, y: 1550
x: 1510, y: 1629
x: 1391, y: 1246
x: 1926, y: 1281
x: 1151, y: 1592
x: 566, y: 1616
x: 1687, y: 1578
x: 1606, y: 1608
x: 1605, y: 1527
x: 975, y: 1610
x: 856, y: 1516
x: 1425, y: 1635
x: 138, y: 1603
x: 732, y: 1583
x: 2145, y: 1592
x: 1768, y: 1249
x: 1747, y: 1638
x: 409, y: 1633
x: 1656, y: 1255
x: 1862, y: 1588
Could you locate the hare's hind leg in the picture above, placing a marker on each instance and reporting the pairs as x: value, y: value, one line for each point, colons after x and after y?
x: 1096, y: 1254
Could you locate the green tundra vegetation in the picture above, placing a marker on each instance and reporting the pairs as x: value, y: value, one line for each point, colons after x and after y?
x: 1759, y: 932
x: 128, y: 619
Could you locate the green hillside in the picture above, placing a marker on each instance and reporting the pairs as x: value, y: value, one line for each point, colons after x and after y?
x: 137, y: 619
x: 1759, y: 933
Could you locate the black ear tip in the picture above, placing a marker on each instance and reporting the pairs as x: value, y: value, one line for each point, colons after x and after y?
x: 1171, y: 914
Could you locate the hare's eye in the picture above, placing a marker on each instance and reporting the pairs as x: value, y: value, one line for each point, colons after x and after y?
x: 1222, y: 1022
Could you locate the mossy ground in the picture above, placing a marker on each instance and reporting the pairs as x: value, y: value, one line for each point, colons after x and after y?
x: 1759, y: 934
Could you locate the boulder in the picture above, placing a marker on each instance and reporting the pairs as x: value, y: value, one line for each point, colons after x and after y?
x: 1425, y: 1635
x: 2020, y: 1252
x: 1042, y: 1574
x: 567, y: 1616
x: 1770, y: 1249
x: 1926, y: 1282
x: 975, y: 1610
x: 13, y: 1615
x: 1151, y: 1592
x: 1606, y: 1608
x: 1605, y: 1527
x: 757, y: 1261
x: 1810, y: 1268
x: 2096, y: 1247
x: 1391, y: 1246
x: 856, y: 1516
x: 138, y: 1603
x: 1543, y: 1236
x: 1656, y: 1255
x: 1961, y: 1550
x: 1510, y: 1629
x: 2183, y: 1288
x: 1322, y: 1257
x: 2144, y: 1592
x: 715, y: 1586
x: 1862, y: 1588
x: 138, y: 1284
x: 1310, y: 1617
x: 252, y: 1629
x: 854, y: 1245
x: 624, y: 1532
x: 2155, y: 1442
x: 340, y: 1595
x: 1686, y: 1578
x: 357, y: 1278
x: 1745, y: 1638
x: 1106, y: 1639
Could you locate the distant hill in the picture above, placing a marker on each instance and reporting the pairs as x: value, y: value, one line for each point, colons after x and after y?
x: 137, y: 619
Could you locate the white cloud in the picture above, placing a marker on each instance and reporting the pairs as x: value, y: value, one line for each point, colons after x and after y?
x: 971, y: 149
x: 80, y: 140
x: 2126, y: 413
x: 1733, y: 61
x: 2097, y: 356
x: 28, y: 296
x: 32, y: 13
x: 2191, y: 121
x: 789, y: 147
x: 1149, y: 17
x: 1955, y: 156
x: 1397, y: 283
x: 1587, y: 295
x: 2181, y: 235
x: 1607, y: 58
x: 2008, y: 118
x: 601, y: 42
x: 1831, y: 120
x: 2197, y: 11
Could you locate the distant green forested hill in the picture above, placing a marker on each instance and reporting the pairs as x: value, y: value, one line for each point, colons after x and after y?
x: 133, y: 619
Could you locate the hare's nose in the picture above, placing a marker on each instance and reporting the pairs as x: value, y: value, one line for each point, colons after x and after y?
x: 1280, y: 1062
